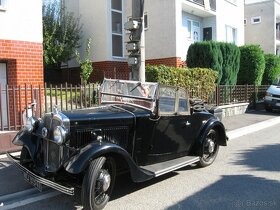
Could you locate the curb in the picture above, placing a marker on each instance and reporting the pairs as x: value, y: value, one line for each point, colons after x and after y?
x: 252, y: 128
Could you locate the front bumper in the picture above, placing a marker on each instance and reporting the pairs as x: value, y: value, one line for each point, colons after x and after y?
x: 43, y: 181
x: 274, y: 103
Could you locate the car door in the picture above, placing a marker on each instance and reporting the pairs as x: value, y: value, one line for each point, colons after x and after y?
x: 173, y: 131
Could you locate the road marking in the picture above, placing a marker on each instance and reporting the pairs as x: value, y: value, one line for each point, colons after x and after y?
x: 252, y: 128
x: 13, y: 154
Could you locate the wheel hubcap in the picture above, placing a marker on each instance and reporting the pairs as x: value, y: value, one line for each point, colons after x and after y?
x: 211, y: 146
x: 105, y: 180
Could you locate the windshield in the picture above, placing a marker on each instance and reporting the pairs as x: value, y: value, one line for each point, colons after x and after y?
x: 125, y: 91
x: 276, y: 81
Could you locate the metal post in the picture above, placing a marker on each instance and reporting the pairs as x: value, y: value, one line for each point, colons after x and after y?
x: 138, y: 71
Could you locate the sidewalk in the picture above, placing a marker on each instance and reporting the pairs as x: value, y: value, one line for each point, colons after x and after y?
x: 249, y: 118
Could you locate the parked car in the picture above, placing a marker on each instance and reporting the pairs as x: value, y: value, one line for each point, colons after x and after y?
x: 272, y: 98
x: 142, y: 128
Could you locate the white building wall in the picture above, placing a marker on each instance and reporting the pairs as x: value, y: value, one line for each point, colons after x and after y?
x: 160, y: 37
x: 262, y: 33
x: 95, y: 19
x: 231, y: 15
x: 21, y: 20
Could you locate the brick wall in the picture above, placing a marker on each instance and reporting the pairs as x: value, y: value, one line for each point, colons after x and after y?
x: 24, y: 61
x: 110, y: 69
x: 24, y: 65
x: 173, y: 61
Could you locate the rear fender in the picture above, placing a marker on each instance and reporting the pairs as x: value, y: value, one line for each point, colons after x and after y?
x: 79, y: 163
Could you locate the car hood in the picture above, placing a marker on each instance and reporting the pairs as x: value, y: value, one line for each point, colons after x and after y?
x: 273, y: 89
x: 107, y: 112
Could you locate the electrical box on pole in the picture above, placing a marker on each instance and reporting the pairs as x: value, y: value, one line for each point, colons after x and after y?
x: 136, y: 46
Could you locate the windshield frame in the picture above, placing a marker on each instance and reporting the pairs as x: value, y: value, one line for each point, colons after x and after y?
x: 151, y: 98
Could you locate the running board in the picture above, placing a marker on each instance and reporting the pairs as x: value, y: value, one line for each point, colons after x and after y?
x: 171, y: 165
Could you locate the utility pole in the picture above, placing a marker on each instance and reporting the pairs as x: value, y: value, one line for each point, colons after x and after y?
x: 136, y: 44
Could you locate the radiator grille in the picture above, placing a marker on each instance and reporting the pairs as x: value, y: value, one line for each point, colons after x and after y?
x: 52, y: 156
x: 81, y: 138
x: 117, y: 135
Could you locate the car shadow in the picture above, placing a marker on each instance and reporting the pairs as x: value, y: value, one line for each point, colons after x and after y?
x: 11, y: 179
x: 263, y: 112
x: 124, y: 184
x: 263, y: 158
x: 234, y: 192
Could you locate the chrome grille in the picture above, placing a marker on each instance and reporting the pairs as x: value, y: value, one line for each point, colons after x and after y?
x: 276, y: 96
x: 52, y: 156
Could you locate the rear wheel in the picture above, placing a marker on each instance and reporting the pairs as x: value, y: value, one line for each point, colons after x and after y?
x: 210, y: 149
x: 98, y: 183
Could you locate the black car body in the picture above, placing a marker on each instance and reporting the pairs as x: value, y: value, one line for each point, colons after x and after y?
x: 142, y: 128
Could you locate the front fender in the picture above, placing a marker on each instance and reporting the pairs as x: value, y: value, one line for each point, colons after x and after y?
x: 26, y: 139
x: 79, y: 162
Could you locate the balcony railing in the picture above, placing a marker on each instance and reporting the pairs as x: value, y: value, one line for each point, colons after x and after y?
x: 202, y: 3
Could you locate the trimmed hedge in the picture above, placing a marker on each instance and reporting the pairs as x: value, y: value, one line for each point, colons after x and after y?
x: 205, y: 54
x: 220, y: 56
x: 252, y: 65
x: 272, y: 69
x: 201, y: 81
x: 231, y: 63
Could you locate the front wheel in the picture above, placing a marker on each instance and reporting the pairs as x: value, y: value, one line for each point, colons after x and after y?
x: 98, y: 183
x: 210, y: 149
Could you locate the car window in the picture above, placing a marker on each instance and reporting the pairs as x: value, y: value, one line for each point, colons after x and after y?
x: 167, y: 96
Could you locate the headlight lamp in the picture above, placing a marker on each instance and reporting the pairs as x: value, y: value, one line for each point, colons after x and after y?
x: 59, y: 134
x: 30, y: 122
x: 268, y: 94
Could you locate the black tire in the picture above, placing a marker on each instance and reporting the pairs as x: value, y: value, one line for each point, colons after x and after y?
x: 210, y: 149
x: 95, y: 189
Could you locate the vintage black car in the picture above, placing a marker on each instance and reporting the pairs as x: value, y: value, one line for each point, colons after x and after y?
x: 142, y: 128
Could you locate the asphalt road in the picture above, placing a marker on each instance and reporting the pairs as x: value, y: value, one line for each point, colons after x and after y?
x: 245, y: 175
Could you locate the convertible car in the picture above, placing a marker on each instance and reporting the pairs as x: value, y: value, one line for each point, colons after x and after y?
x: 144, y: 129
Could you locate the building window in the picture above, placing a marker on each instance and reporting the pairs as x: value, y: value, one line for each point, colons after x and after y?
x: 2, y: 5
x: 245, y: 21
x: 117, y: 28
x: 231, y: 34
x: 192, y: 29
x: 256, y: 20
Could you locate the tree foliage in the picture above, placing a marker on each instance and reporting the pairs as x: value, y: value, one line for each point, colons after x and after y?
x: 252, y: 65
x: 272, y: 69
x: 61, y: 34
x: 86, y: 64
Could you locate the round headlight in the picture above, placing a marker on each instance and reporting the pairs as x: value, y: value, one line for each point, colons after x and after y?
x: 268, y: 94
x: 30, y: 124
x: 59, y: 134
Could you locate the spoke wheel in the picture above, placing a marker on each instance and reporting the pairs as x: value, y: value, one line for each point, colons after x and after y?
x: 98, y: 183
x: 210, y: 149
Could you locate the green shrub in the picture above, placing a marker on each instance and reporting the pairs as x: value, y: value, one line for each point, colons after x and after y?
x: 252, y: 65
x: 272, y: 68
x: 199, y: 81
x: 231, y: 63
x: 206, y: 55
